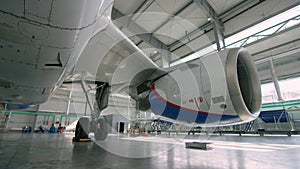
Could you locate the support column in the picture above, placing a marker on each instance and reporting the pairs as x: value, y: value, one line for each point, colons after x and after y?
x: 137, y: 108
x: 275, y: 80
x: 35, y: 118
x: 219, y: 36
x: 165, y: 58
x: 69, y: 102
x: 85, y: 107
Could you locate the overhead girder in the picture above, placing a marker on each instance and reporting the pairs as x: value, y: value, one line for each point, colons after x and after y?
x: 126, y: 22
x: 215, y: 21
x: 123, y: 21
x: 172, y: 15
x: 143, y: 7
x: 281, y: 41
x: 252, y: 13
x: 235, y: 14
x: 275, y: 79
x: 226, y: 17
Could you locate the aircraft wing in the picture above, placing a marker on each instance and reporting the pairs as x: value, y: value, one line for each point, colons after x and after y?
x: 110, y: 56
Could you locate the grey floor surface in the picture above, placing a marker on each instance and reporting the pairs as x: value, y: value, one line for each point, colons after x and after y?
x: 57, y: 151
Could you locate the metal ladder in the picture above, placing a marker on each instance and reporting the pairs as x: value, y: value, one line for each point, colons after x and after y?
x: 4, y: 118
x: 248, y: 126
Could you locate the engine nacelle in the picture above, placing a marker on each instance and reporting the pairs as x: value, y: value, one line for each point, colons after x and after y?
x: 221, y: 89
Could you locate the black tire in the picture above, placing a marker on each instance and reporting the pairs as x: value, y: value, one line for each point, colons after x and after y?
x: 101, y: 129
x: 82, y: 128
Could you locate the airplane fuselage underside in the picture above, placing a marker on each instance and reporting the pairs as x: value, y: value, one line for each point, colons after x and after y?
x: 40, y: 42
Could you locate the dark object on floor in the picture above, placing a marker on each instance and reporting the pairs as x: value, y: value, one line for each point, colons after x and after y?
x: 197, y: 145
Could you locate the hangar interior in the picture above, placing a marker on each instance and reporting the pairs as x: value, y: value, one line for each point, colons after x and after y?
x: 175, y: 32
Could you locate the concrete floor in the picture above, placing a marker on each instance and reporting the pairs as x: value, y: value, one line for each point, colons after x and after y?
x: 142, y: 152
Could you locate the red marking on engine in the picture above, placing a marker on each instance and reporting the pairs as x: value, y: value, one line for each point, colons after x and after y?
x: 153, y: 90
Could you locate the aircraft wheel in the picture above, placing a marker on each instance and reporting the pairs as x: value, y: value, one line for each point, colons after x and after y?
x: 101, y: 129
x: 82, y: 128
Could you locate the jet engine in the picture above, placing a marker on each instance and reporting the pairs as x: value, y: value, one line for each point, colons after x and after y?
x: 220, y: 89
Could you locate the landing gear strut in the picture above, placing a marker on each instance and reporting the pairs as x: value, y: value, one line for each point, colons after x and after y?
x: 97, y: 123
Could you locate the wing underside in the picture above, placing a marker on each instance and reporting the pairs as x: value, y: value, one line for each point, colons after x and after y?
x: 112, y: 57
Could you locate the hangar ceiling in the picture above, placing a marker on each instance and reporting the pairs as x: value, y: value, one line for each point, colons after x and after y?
x: 171, y: 31
x: 184, y: 27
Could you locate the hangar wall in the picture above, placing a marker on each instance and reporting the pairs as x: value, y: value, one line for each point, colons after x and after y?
x: 17, y: 121
x: 61, y: 107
